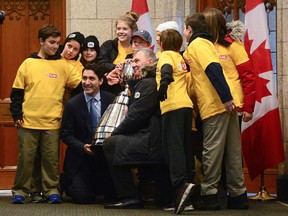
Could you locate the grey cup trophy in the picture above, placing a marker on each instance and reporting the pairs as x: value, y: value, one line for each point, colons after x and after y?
x: 127, y: 71
x: 115, y: 113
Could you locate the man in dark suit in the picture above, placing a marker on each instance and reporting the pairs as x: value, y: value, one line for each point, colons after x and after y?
x: 85, y: 171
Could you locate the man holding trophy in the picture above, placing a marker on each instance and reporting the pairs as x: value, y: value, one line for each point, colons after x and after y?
x: 137, y: 140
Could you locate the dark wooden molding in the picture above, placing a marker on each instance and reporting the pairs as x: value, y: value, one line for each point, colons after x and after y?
x: 269, y: 5
x: 14, y: 9
x: 39, y: 9
x: 228, y: 6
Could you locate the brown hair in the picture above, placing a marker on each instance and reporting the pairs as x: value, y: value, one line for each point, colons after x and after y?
x: 98, y: 70
x: 216, y: 23
x: 171, y: 39
x: 130, y: 18
x: 48, y: 30
x: 197, y: 22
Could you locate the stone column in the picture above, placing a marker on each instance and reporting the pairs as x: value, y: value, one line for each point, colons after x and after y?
x: 282, y: 72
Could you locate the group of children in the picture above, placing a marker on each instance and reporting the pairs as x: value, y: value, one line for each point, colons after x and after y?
x: 223, y: 84
x: 212, y: 78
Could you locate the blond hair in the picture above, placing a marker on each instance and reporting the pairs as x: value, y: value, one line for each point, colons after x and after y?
x: 130, y: 18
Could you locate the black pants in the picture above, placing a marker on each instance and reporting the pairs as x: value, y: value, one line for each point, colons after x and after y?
x: 176, y: 138
x: 123, y: 179
x: 93, y: 178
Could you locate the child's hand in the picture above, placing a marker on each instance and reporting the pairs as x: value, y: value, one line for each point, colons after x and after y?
x: 247, y: 116
x: 230, y: 106
x: 162, y: 92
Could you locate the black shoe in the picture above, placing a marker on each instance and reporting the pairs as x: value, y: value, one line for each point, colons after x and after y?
x: 36, y: 197
x: 239, y: 202
x: 211, y: 202
x: 195, y: 199
x: 125, y: 204
x: 182, y: 195
x: 198, y: 204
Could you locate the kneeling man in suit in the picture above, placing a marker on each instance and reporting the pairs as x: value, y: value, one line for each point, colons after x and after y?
x: 86, y: 173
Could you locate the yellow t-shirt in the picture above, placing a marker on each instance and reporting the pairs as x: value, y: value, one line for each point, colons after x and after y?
x: 177, y: 95
x: 122, y: 53
x: 229, y: 58
x: 199, y: 54
x: 44, y: 82
x: 158, y: 54
x: 78, y: 67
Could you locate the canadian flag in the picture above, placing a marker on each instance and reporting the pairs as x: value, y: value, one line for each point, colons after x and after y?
x: 144, y: 21
x: 262, y: 140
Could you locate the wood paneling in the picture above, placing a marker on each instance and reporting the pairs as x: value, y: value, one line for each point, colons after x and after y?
x: 18, y: 39
x: 202, y: 4
x: 270, y: 179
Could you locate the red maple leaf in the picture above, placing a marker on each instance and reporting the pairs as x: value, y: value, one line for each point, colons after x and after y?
x: 261, y: 61
x: 261, y: 88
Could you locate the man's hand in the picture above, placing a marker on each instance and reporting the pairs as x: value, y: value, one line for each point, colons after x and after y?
x: 87, y: 150
x: 230, y: 106
x: 114, y: 76
x: 120, y: 66
x: 162, y: 92
x: 247, y: 116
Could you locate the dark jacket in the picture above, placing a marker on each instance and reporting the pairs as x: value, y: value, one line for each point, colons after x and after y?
x: 142, y: 125
x: 76, y: 130
x: 108, y: 53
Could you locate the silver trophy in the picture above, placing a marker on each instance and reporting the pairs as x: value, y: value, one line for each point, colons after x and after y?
x: 127, y: 71
x: 113, y: 116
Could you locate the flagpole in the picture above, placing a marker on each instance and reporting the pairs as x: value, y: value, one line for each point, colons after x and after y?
x: 262, y: 195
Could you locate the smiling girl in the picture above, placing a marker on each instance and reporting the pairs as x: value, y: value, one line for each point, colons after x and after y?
x: 115, y: 51
x: 72, y: 47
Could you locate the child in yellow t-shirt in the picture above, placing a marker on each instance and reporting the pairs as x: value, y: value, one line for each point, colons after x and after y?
x: 176, y: 109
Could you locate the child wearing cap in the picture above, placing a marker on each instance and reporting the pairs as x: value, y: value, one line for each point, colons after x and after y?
x: 162, y: 27
x: 90, y: 50
x: 141, y: 39
x: 72, y: 47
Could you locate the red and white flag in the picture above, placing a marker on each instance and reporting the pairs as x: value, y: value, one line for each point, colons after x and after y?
x: 262, y: 140
x: 144, y: 21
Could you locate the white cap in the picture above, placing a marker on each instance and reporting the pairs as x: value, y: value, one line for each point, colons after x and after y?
x: 167, y: 25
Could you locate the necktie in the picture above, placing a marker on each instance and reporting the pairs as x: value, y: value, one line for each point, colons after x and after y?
x: 93, y: 115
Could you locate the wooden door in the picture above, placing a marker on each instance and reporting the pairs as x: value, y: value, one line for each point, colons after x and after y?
x: 18, y: 39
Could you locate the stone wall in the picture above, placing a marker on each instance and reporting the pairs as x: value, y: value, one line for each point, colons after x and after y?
x: 98, y: 17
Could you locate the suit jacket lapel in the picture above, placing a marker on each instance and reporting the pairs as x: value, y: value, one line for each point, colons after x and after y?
x: 84, y: 111
x: 103, y: 103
